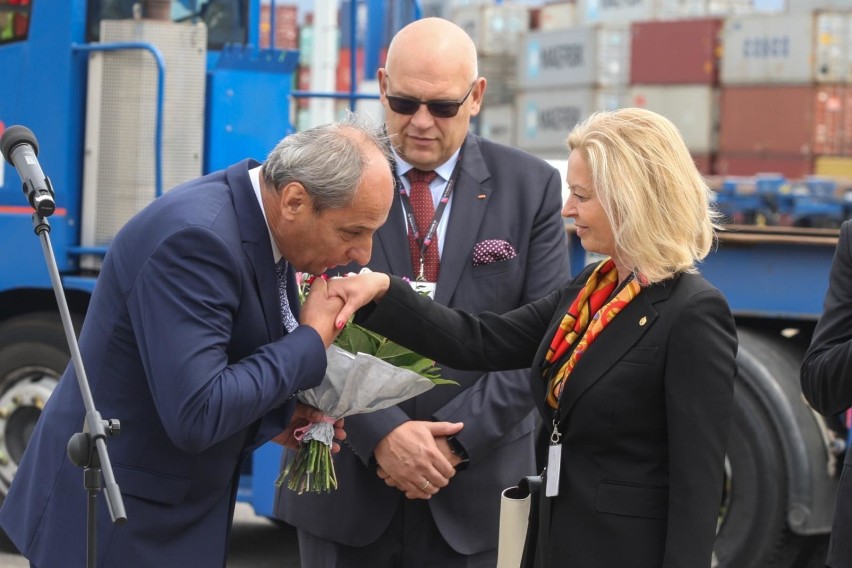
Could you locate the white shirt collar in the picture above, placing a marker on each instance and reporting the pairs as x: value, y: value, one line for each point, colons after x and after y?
x: 254, y: 176
x: 445, y: 170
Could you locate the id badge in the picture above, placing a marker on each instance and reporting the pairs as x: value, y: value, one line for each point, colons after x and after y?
x: 424, y: 288
x: 554, y: 461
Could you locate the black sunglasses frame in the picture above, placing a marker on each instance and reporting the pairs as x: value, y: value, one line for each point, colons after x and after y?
x: 438, y: 109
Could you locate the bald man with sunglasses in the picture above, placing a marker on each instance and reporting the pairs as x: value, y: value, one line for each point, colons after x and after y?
x: 416, y: 488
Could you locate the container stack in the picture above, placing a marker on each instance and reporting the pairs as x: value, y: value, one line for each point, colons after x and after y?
x: 565, y: 75
x: 498, y: 32
x: 680, y: 83
x: 286, y: 27
x: 750, y: 91
x: 786, y: 97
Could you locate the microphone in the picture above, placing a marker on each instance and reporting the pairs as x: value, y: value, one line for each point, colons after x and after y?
x: 18, y: 145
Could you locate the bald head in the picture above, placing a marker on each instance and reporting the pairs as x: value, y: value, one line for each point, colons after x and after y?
x: 430, y: 61
x: 436, y: 44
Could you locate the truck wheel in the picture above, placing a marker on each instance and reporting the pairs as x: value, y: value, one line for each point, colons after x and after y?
x: 33, y: 355
x: 753, y: 530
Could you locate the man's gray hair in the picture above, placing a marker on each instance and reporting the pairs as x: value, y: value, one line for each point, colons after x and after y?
x: 328, y: 160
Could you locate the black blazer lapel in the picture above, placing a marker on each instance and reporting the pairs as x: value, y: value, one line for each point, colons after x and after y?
x: 462, y: 228
x: 256, y: 244
x: 619, y: 337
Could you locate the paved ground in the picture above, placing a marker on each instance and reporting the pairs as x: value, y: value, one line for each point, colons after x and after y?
x: 256, y: 542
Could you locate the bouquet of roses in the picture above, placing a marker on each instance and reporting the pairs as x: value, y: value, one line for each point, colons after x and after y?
x: 365, y: 372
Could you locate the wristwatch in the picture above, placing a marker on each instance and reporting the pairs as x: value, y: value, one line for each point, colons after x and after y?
x: 458, y: 450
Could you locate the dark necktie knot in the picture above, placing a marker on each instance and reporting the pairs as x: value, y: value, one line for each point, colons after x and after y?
x: 419, y: 176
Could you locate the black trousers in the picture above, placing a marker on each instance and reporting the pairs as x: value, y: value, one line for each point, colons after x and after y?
x: 412, y: 540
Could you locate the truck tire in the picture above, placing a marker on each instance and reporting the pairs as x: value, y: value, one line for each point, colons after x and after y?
x: 33, y: 355
x: 753, y: 530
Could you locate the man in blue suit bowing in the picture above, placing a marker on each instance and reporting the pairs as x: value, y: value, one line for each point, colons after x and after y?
x: 192, y: 341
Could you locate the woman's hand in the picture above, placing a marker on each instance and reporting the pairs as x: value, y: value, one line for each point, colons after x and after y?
x: 357, y: 291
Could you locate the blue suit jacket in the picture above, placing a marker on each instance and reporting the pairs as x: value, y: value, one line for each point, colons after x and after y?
x: 503, y: 194
x: 183, y: 344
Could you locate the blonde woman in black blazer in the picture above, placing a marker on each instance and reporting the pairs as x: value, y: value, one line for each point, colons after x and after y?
x: 641, y: 405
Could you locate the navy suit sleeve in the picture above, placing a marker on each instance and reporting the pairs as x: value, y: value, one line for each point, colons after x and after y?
x: 183, y: 305
x: 828, y: 362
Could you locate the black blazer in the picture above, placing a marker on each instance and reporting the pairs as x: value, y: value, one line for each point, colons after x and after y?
x: 826, y: 385
x: 645, y: 414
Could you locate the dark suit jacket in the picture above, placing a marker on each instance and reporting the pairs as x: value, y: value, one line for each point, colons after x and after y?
x: 183, y: 344
x: 645, y: 414
x: 826, y: 374
x: 522, y: 206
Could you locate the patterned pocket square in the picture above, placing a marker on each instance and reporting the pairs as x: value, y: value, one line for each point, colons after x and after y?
x: 491, y: 251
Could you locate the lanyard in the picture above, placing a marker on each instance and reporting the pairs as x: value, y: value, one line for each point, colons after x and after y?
x: 407, y: 208
x: 554, y: 449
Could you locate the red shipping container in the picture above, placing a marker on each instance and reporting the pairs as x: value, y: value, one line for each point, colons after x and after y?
x: 793, y: 167
x: 286, y: 27
x: 847, y: 122
x: 704, y: 163
x: 344, y: 64
x: 675, y: 52
x: 788, y: 120
x: 303, y: 83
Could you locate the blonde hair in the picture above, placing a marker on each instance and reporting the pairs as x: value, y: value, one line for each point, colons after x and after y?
x: 657, y: 202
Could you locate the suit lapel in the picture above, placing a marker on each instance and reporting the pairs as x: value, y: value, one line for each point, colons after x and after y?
x: 256, y: 245
x: 466, y: 215
x: 616, y: 339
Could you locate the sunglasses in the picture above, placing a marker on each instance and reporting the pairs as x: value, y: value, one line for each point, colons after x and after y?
x: 438, y: 109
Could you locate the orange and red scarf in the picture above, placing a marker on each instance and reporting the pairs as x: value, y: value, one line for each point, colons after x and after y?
x: 588, y: 314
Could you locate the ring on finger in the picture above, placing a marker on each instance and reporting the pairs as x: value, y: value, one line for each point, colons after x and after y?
x: 426, y: 484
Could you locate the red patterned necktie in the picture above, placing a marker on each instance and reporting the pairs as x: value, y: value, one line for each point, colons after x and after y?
x: 424, y: 209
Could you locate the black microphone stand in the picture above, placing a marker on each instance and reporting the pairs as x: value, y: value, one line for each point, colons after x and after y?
x: 86, y: 449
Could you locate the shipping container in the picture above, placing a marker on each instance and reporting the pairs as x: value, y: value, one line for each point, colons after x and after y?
x: 557, y: 16
x: 629, y: 11
x: 596, y: 56
x: 617, y: 11
x: 789, y: 49
x: 494, y: 29
x: 807, y: 6
x: 497, y: 123
x: 677, y: 9
x: 544, y: 118
x: 787, y: 120
x: 704, y: 163
x: 286, y: 27
x: 675, y: 52
x: 343, y: 75
x: 833, y: 166
x: 692, y: 108
x: 502, y: 75
x: 745, y: 164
